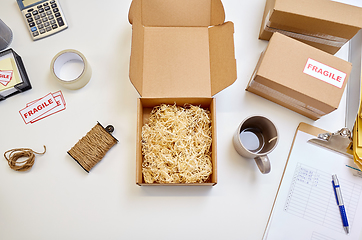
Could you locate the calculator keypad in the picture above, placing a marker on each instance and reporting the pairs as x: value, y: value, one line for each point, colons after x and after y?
x: 45, y: 19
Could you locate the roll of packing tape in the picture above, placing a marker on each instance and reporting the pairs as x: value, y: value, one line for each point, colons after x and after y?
x: 71, y: 69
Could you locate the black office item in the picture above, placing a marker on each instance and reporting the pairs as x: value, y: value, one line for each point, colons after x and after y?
x: 24, y: 84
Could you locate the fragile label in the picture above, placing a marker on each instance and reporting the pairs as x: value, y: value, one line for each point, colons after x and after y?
x: 5, y: 77
x: 38, y: 109
x: 58, y: 96
x: 325, y: 73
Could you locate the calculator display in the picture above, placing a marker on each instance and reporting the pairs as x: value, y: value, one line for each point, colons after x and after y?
x: 29, y: 2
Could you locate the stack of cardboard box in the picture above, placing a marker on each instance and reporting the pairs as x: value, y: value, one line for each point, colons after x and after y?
x: 298, y: 70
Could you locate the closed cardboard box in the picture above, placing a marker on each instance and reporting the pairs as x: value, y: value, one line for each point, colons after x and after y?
x: 300, y: 77
x: 324, y: 24
x: 182, y: 52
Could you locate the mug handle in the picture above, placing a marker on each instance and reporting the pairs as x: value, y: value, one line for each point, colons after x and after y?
x: 263, y: 164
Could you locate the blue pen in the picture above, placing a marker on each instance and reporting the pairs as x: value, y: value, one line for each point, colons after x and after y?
x: 339, y: 199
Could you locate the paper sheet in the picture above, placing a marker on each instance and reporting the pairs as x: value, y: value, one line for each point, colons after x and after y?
x: 8, y: 64
x: 305, y: 207
x: 356, y: 3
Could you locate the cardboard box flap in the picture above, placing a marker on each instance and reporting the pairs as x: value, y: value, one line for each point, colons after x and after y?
x: 222, y: 57
x: 327, y: 10
x: 182, y: 62
x: 176, y: 13
x: 175, y: 62
x: 135, y: 12
x: 136, y: 59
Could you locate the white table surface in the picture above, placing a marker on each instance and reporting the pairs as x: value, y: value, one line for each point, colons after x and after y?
x: 57, y: 199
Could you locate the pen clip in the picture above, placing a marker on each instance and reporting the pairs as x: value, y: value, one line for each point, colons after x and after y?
x: 337, y: 190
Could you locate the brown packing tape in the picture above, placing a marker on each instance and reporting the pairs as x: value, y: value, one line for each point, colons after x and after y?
x: 284, y: 99
x: 315, y: 37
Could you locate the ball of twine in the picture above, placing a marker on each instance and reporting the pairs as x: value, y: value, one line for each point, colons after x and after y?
x: 14, y: 155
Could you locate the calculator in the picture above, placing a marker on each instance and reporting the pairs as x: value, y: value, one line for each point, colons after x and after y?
x: 43, y: 18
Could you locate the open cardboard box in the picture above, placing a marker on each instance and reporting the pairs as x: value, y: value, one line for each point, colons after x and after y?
x: 182, y: 52
x: 324, y: 24
x: 300, y: 77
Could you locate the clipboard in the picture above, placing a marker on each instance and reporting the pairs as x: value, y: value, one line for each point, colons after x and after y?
x: 284, y: 216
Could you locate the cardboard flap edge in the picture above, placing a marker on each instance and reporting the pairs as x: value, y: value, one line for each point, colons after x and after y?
x: 136, y: 58
x: 213, y: 14
x: 135, y: 5
x: 222, y: 57
x: 217, y: 13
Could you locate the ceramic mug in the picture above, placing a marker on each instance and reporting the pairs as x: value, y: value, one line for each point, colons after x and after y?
x: 6, y: 35
x: 255, y: 138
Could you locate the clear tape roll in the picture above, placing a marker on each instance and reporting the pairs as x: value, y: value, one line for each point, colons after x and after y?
x: 79, y: 78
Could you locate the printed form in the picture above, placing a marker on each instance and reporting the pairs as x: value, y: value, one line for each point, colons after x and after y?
x: 305, y: 207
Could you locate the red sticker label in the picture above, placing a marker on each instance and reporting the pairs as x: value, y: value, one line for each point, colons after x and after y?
x: 5, y: 77
x: 325, y: 73
x: 43, y: 107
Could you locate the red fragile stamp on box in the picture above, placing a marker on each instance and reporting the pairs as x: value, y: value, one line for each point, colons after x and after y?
x: 43, y: 107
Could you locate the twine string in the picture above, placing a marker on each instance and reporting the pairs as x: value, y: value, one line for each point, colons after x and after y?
x: 13, y: 156
x: 89, y: 150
